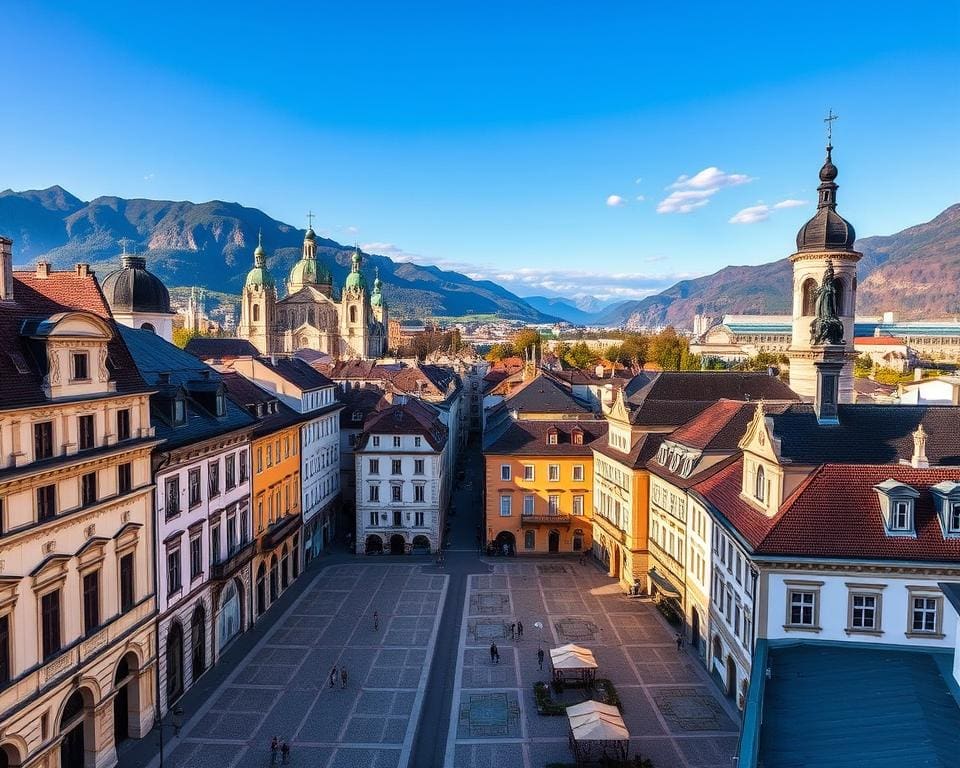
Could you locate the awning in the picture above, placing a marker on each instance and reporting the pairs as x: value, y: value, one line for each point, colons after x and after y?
x: 572, y: 656
x: 664, y: 584
x: 593, y: 721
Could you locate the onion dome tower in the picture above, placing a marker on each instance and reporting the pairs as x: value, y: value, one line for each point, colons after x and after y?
x: 138, y: 298
x: 258, y: 303
x: 824, y: 301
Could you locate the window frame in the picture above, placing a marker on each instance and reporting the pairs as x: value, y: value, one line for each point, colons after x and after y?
x: 76, y: 356
x: 797, y: 589
x: 86, y: 432
x: 864, y: 592
x: 577, y: 470
x: 506, y: 505
x: 927, y: 594
x: 553, y: 473
x: 506, y: 473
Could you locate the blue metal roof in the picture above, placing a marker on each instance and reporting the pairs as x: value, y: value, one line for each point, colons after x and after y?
x: 864, y: 328
x: 839, y: 706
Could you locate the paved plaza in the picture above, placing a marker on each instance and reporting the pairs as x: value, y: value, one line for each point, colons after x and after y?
x: 282, y: 687
x: 675, y: 715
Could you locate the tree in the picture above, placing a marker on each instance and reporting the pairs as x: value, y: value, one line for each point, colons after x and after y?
x: 499, y: 351
x: 580, y: 356
x: 884, y: 375
x: 181, y: 336
x: 525, y: 339
x: 863, y: 366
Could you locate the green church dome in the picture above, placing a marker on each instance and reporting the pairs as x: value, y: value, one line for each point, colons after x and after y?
x: 355, y: 280
x: 259, y: 275
x: 304, y: 271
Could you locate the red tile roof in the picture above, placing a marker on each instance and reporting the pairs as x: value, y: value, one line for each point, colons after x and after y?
x: 702, y: 429
x: 886, y: 341
x: 835, y: 513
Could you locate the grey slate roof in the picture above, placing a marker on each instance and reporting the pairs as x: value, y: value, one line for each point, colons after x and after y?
x: 545, y: 395
x: 298, y: 372
x: 529, y: 438
x: 220, y: 349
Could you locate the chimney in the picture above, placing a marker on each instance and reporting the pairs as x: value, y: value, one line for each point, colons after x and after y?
x: 163, y: 378
x: 919, y: 458
x: 6, y: 269
x: 43, y: 269
x: 828, y: 391
x: 83, y: 270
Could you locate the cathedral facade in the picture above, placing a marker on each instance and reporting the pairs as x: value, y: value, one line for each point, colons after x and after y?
x: 311, y: 315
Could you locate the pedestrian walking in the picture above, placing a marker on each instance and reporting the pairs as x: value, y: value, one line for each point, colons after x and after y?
x: 493, y: 652
x: 540, y: 657
x: 333, y: 676
x: 497, y: 653
x: 343, y: 677
x: 274, y: 748
x: 519, y: 629
x: 285, y: 752
x: 513, y: 631
x: 679, y: 640
x: 376, y: 621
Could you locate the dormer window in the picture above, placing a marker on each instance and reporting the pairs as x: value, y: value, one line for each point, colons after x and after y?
x: 953, y: 523
x: 760, y: 485
x: 221, y: 404
x: 662, y: 455
x: 674, y: 460
x: 901, y: 516
x: 356, y: 416
x: 577, y: 437
x: 179, y: 411
x: 79, y: 366
x: 552, y: 436
x: 946, y: 497
x: 687, y: 467
x: 898, y: 506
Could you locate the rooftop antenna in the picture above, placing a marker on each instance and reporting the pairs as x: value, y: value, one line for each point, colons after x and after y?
x: 829, y: 121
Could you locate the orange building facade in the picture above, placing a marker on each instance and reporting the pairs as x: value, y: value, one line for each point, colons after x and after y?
x: 539, y: 487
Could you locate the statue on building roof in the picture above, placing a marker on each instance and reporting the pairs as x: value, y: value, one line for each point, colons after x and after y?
x: 827, y: 328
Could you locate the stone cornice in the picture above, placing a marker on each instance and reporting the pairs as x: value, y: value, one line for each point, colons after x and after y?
x: 853, y: 256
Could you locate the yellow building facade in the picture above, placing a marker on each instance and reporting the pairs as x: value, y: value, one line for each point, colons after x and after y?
x: 539, y: 487
x: 77, y: 639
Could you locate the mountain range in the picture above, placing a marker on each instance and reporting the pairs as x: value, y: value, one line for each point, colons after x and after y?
x: 915, y: 272
x: 211, y: 245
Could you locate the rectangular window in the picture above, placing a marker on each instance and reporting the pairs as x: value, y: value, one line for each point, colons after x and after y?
x: 418, y: 493
x: 926, y: 612
x: 954, y: 518
x: 416, y: 442
x: 739, y: 573
x: 504, y: 471
x: 374, y: 466
x: 374, y: 517
x: 397, y: 517
x: 50, y: 622
x: 79, y: 368
x: 42, y: 440
x: 4, y: 649
x: 91, y: 601
x: 173, y: 571
x: 193, y: 479
x: 506, y: 506
x: 196, y: 557
x: 418, y: 519
x: 230, y: 472
x: 418, y: 466
x: 395, y: 467
x: 213, y: 479
x: 124, y: 478
x: 529, y: 504
x: 85, y: 432
x: 374, y: 493
x: 231, y: 534
x: 396, y: 492
x: 215, y: 544
x: 123, y: 424
x: 553, y: 504
x: 578, y: 505
x: 863, y: 612
x: 578, y: 473
x: 553, y: 473
x: 802, y: 608
x: 396, y: 441
x: 88, y: 489
x: 286, y: 447
x: 46, y: 502
x: 901, y: 516
x: 270, y: 455
x: 376, y: 441
x: 528, y: 472
x: 127, y: 586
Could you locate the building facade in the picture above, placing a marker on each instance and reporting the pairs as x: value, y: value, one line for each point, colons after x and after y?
x: 77, y: 641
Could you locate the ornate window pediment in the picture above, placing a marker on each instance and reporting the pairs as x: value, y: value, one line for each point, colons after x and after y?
x: 946, y: 496
x: 52, y: 570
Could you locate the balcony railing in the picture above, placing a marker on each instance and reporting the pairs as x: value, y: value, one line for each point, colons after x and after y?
x: 280, y: 530
x: 556, y: 519
x: 240, y: 555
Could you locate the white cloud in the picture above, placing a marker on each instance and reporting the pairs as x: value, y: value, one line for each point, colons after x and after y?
x: 395, y: 252
x: 692, y: 192
x: 149, y: 177
x: 641, y: 198
x: 615, y: 201
x: 761, y: 211
x: 638, y: 180
x: 751, y: 215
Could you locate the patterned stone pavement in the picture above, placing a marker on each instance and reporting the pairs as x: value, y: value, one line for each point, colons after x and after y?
x: 674, y: 713
x: 282, y: 687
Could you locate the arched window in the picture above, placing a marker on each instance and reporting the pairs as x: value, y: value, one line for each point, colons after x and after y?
x: 841, y: 296
x: 148, y: 327
x: 809, y: 291
x: 761, y: 485
x: 256, y: 313
x: 353, y: 314
x: 198, y: 639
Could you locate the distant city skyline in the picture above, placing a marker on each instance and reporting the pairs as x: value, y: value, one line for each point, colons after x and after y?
x: 554, y: 149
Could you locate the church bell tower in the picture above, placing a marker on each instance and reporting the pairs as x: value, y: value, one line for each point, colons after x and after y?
x: 824, y: 301
x: 258, y: 304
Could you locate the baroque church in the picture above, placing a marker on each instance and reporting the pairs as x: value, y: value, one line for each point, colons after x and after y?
x: 312, y: 315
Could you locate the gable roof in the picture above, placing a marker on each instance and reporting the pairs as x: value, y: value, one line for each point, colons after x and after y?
x: 409, y: 417
x: 529, y: 438
x: 34, y: 300
x: 296, y: 371
x: 643, y: 449
x: 543, y: 394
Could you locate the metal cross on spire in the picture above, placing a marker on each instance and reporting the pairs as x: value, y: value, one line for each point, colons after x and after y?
x: 310, y: 218
x: 829, y: 121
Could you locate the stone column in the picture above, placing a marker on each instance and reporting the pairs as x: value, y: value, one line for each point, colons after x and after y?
x: 101, y: 753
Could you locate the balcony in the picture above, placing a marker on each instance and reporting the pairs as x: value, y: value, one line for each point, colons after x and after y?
x: 557, y: 519
x: 241, y: 555
x: 276, y: 533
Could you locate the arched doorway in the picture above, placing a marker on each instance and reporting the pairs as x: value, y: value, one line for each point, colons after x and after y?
x: 553, y: 541
x: 505, y: 543
x: 174, y: 663
x: 421, y: 545
x: 77, y: 728
x: 228, y: 615
x: 198, y: 639
x: 717, y: 650
x: 9, y: 756
x: 274, y: 577
x: 695, y: 627
x: 615, y: 562
x: 261, y: 589
x: 284, y: 567
x: 731, y: 676
x: 374, y: 545
x: 398, y: 545
x: 126, y: 701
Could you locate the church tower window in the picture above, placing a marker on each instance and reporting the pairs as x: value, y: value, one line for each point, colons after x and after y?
x: 760, y: 488
x: 256, y: 313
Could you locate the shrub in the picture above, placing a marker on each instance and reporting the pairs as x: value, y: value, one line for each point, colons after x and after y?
x: 545, y: 704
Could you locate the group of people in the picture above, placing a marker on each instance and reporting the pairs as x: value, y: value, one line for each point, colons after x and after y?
x: 281, y: 748
x: 338, y: 675
x: 516, y: 633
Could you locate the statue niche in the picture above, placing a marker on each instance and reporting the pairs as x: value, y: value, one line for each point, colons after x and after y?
x: 827, y: 327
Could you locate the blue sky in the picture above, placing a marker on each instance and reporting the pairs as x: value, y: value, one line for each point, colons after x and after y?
x: 490, y: 137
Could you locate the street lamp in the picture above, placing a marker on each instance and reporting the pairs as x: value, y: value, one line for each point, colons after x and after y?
x: 538, y: 625
x: 176, y: 723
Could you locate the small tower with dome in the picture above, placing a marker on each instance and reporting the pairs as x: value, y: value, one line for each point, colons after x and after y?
x: 138, y: 298
x: 258, y: 303
x: 355, y: 315
x: 821, y: 350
